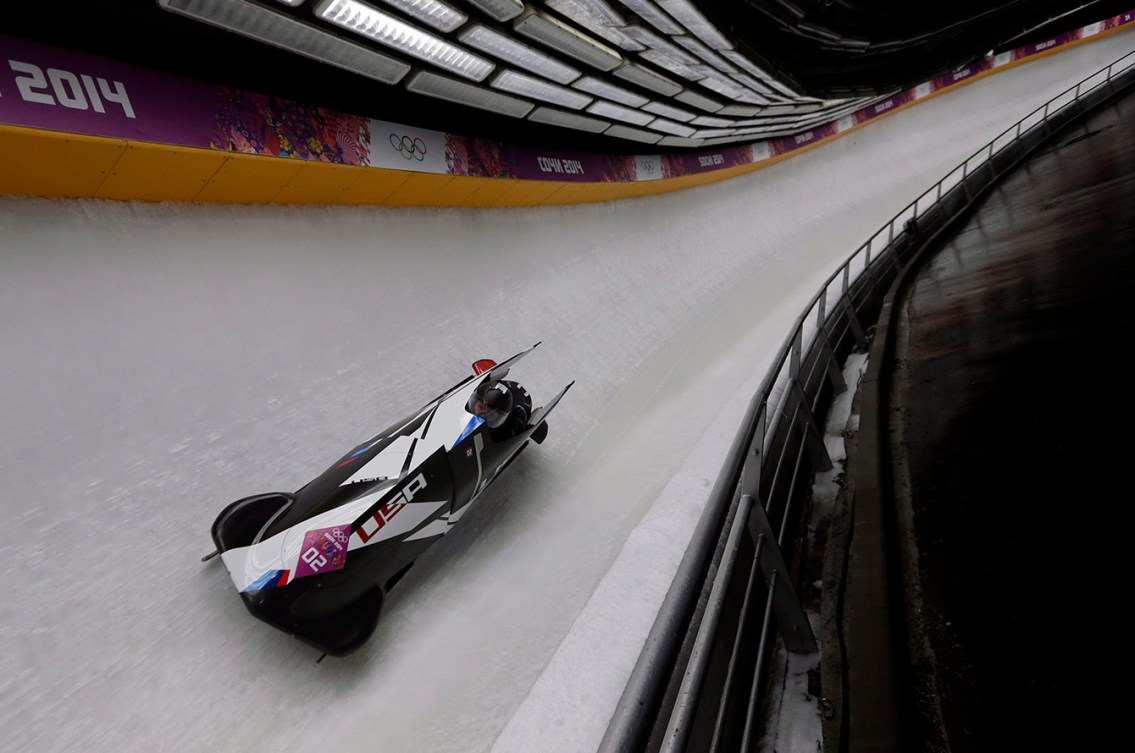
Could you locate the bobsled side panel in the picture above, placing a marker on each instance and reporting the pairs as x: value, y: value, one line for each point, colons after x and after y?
x: 240, y: 523
x: 337, y: 633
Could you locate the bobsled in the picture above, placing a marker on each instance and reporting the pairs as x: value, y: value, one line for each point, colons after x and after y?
x: 317, y: 563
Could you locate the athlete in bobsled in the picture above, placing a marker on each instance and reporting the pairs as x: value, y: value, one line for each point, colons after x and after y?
x: 317, y: 563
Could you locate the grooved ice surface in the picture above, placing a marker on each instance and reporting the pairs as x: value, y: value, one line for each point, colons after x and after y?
x: 162, y: 360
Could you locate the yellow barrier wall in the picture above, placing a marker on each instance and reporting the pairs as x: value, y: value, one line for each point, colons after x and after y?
x: 36, y: 162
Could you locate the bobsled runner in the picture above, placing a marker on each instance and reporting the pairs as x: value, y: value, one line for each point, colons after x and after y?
x: 317, y: 563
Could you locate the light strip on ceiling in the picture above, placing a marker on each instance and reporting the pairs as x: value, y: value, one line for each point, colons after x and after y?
x: 744, y: 62
x: 718, y: 82
x: 431, y: 12
x: 292, y: 3
x: 549, y: 116
x: 670, y: 65
x: 536, y: 88
x: 501, y: 10
x: 740, y: 111
x: 464, y: 93
x: 653, y: 15
x: 690, y: 17
x: 610, y: 91
x: 560, y: 36
x: 706, y: 54
x: 723, y: 141
x: 711, y: 122
x: 633, y: 134
x: 710, y: 133
x: 670, y: 127
x: 679, y: 141
x: 693, y: 99
x: 648, y: 79
x: 579, y: 11
x: 593, y: 9
x: 647, y: 37
x: 618, y: 112
x: 392, y: 32
x: 521, y: 55
x: 666, y: 111
x: 259, y: 23
x: 746, y: 80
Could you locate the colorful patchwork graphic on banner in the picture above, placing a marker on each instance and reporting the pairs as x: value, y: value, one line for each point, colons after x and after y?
x: 258, y: 124
x: 60, y: 90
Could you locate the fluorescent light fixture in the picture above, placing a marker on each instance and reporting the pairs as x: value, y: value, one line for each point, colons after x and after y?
x: 292, y: 3
x: 744, y: 62
x: 550, y: 116
x: 706, y: 120
x: 521, y: 55
x: 705, y: 54
x: 782, y: 109
x: 561, y: 37
x: 279, y: 30
x: 711, y: 133
x: 647, y: 37
x: 589, y: 10
x: 431, y: 12
x: 390, y: 31
x: 741, y: 111
x: 670, y: 65
x: 463, y: 93
x: 610, y: 91
x: 670, y: 127
x: 666, y: 111
x: 717, y: 82
x: 633, y: 134
x: 693, y: 99
x: 537, y: 88
x: 501, y: 10
x: 618, y: 112
x: 722, y: 141
x: 746, y: 80
x: 648, y: 79
x: 690, y: 17
x: 582, y: 12
x: 777, y: 120
x: 679, y: 141
x: 653, y: 15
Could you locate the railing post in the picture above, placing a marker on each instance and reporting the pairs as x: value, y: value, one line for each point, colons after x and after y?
x: 813, y: 437
x: 795, y: 629
x: 755, y: 458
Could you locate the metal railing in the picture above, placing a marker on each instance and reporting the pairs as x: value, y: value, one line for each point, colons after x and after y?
x: 701, y: 677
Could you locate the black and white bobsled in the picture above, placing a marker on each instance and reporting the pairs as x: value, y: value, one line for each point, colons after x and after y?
x: 317, y: 563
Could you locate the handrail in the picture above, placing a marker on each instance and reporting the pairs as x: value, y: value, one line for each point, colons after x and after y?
x: 855, y: 288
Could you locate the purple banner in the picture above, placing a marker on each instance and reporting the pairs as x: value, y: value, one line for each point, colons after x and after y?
x: 60, y: 90
x: 892, y: 102
x: 545, y: 164
x: 674, y: 165
x: 800, y: 140
x: 493, y: 159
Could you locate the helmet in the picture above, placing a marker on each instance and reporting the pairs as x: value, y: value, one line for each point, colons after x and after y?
x: 492, y: 402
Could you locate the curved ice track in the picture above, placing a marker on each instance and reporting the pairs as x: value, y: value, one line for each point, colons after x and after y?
x: 160, y: 361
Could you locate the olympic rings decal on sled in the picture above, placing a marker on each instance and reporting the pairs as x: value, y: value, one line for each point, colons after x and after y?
x: 409, y: 148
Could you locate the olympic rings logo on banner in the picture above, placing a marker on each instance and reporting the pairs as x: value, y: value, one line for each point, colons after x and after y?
x: 409, y: 148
